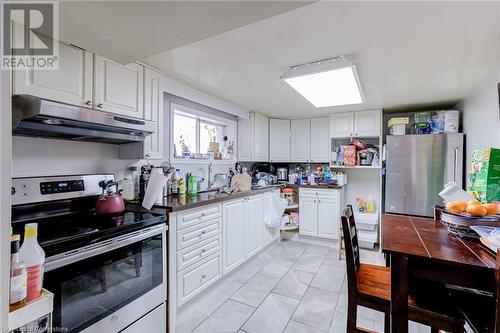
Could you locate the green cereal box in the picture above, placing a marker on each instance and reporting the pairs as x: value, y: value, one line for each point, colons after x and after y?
x: 483, y: 181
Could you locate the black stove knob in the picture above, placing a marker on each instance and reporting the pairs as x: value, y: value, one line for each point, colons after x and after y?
x: 13, y: 190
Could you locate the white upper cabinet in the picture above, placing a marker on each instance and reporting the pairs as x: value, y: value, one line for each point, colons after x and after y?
x: 320, y: 139
x: 253, y: 138
x: 119, y: 88
x: 279, y: 140
x: 367, y: 123
x: 300, y: 140
x: 355, y: 124
x: 245, y: 138
x: 261, y: 138
x: 154, y: 146
x: 342, y: 125
x: 71, y: 83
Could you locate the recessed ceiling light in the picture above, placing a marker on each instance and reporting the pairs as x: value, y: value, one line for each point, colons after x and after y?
x: 329, y: 82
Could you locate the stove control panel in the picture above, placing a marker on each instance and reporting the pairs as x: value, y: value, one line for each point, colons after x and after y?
x: 61, y: 187
x: 39, y: 189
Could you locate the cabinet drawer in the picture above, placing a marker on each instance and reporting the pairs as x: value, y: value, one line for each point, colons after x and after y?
x: 195, y: 253
x: 197, y: 216
x: 192, y: 281
x: 319, y: 193
x: 198, y: 233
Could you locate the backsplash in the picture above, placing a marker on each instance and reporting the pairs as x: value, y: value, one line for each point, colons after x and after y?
x: 48, y: 157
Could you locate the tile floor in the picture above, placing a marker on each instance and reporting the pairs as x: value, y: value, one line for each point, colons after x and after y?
x: 290, y: 287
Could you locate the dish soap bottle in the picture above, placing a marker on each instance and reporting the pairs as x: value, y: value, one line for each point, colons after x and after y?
x: 18, y: 276
x: 192, y: 185
x: 370, y: 206
x: 34, y: 257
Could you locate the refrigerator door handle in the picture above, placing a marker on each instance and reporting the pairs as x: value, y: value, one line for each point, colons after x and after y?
x: 455, y: 165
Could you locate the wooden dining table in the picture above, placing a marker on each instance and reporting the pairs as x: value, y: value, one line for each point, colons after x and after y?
x: 423, y: 248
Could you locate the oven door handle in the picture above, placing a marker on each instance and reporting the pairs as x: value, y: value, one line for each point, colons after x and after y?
x: 85, y: 252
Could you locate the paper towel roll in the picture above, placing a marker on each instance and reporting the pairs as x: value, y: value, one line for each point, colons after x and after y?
x: 155, y: 187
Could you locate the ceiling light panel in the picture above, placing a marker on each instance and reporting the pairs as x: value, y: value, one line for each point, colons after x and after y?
x: 331, y: 82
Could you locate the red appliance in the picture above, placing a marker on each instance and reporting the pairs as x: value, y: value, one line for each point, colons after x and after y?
x: 110, y: 202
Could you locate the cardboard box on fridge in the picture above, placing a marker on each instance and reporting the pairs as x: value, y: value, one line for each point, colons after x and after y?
x: 483, y: 181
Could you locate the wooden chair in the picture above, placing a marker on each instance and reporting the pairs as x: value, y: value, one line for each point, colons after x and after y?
x: 481, y: 312
x: 370, y: 286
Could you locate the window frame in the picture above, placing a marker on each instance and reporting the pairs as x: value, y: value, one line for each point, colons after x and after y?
x: 228, y: 126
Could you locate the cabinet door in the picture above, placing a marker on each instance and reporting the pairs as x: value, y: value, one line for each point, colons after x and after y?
x: 154, y: 147
x: 342, y: 125
x: 71, y: 83
x: 320, y: 139
x: 308, y: 224
x: 328, y: 218
x: 367, y: 123
x: 119, y: 88
x: 261, y: 138
x: 300, y: 140
x: 233, y: 234
x: 246, y: 138
x: 253, y: 224
x: 279, y: 140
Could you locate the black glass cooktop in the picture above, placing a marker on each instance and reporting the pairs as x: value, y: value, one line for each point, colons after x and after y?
x: 60, y: 233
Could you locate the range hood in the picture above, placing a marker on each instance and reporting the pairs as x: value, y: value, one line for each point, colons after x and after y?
x: 33, y: 116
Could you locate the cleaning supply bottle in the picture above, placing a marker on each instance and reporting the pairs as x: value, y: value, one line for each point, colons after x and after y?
x: 34, y: 258
x: 18, y: 276
x: 175, y: 182
x: 370, y: 205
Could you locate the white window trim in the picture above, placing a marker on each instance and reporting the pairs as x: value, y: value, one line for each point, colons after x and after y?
x: 206, y: 117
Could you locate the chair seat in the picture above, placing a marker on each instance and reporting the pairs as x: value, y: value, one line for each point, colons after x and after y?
x: 433, y: 305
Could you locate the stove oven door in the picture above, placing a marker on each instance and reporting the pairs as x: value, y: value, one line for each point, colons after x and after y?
x: 108, y: 286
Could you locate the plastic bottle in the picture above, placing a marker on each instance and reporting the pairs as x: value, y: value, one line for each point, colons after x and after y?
x: 134, y: 175
x: 176, y: 177
x: 18, y: 276
x: 370, y: 206
x: 34, y: 257
x: 192, y: 185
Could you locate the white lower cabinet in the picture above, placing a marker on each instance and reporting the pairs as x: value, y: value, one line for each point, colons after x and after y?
x: 320, y: 212
x: 328, y: 215
x: 195, y: 279
x: 210, y: 241
x: 308, y: 216
x: 233, y: 234
x: 242, y: 230
x: 253, y: 225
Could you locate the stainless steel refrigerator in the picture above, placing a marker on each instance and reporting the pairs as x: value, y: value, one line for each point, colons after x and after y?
x: 417, y: 167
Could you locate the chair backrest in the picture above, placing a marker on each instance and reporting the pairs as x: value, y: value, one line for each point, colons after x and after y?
x: 351, y: 249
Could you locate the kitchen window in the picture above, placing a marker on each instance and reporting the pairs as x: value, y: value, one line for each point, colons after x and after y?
x: 197, y: 135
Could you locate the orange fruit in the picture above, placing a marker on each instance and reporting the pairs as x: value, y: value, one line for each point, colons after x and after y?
x: 476, y: 210
x: 455, y: 207
x: 491, y: 208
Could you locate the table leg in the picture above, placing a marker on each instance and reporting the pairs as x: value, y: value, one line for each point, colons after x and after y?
x: 399, y: 293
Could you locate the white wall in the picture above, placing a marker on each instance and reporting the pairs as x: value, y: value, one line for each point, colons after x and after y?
x: 481, y: 117
x: 46, y: 157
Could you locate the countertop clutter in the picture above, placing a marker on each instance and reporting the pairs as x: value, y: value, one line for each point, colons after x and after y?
x: 183, y: 202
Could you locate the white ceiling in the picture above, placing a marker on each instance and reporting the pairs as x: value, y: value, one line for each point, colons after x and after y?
x: 407, y: 53
x: 130, y: 30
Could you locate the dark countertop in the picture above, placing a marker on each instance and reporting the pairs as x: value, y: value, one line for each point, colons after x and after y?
x: 179, y: 203
x: 334, y: 187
